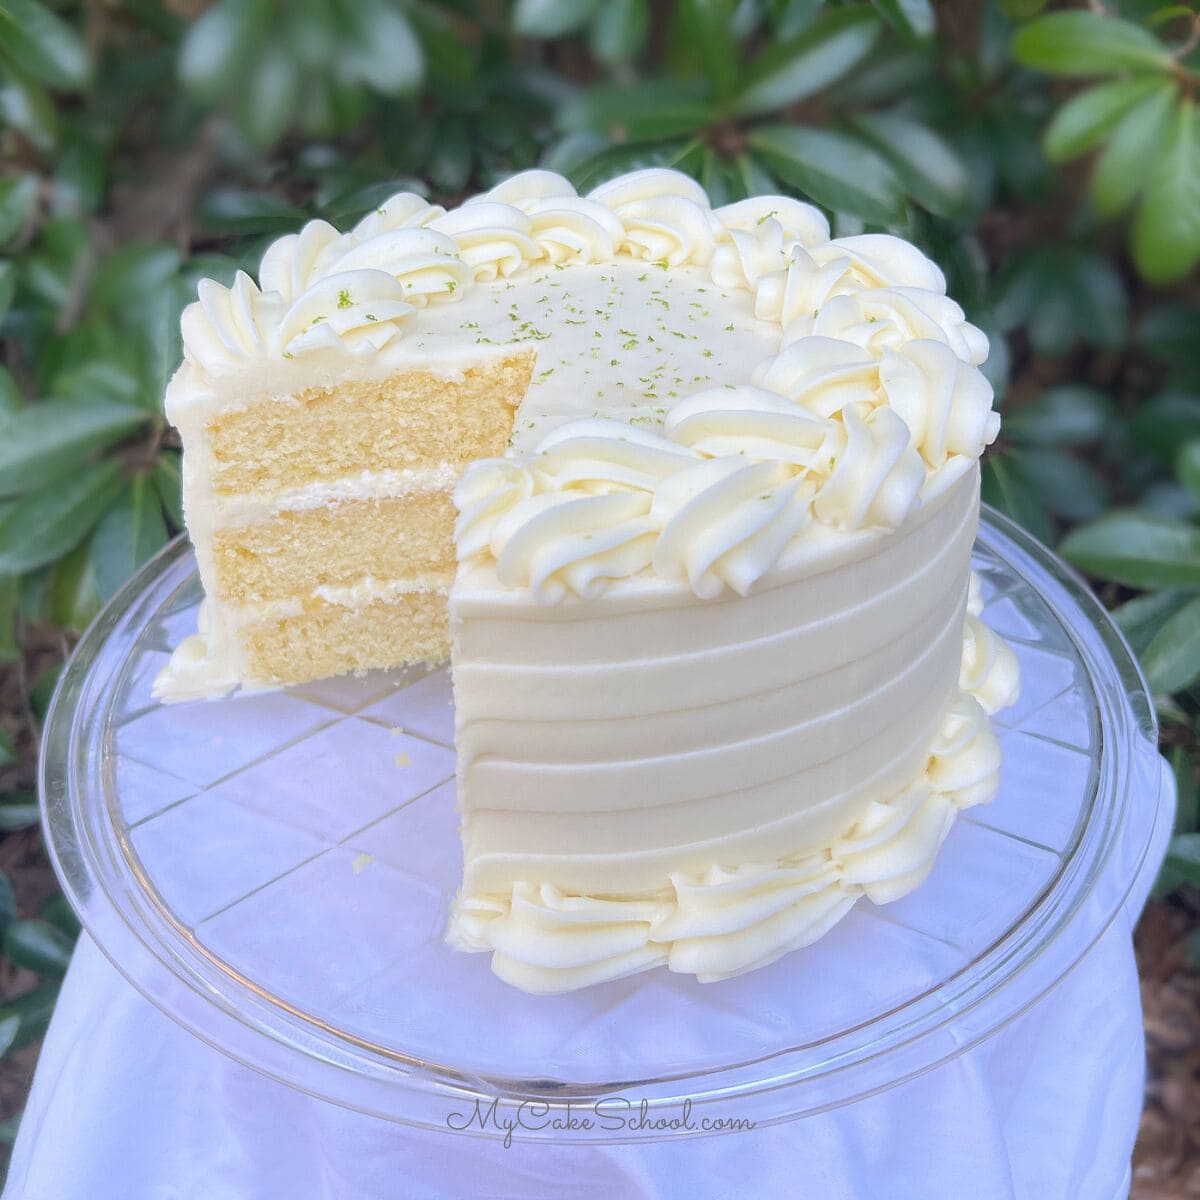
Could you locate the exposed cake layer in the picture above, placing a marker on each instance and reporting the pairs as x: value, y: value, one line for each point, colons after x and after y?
x: 757, y: 737
x: 410, y: 419
x: 293, y: 551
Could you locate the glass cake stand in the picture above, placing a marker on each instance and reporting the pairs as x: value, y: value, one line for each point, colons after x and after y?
x: 273, y: 871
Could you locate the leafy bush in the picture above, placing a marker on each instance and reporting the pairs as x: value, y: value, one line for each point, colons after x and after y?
x: 149, y: 144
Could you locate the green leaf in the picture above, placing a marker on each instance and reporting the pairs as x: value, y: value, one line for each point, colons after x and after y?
x: 18, y: 810
x: 10, y: 397
x: 168, y: 478
x: 551, y: 18
x: 8, y: 291
x: 1172, y: 659
x: 1166, y: 230
x: 9, y: 1028
x: 789, y: 71
x: 706, y: 26
x: 1187, y: 467
x: 129, y: 534
x: 449, y: 166
x: 1005, y: 488
x: 620, y: 159
x: 835, y: 170
x: 26, y: 107
x: 43, y: 44
x: 44, y: 524
x: 1086, y: 43
x: 382, y: 50
x: 236, y: 210
x: 637, y: 112
x: 619, y: 30
x: 8, y: 903
x: 1142, y: 617
x: 8, y: 751
x: 1071, y: 414
x: 1165, y: 422
x: 52, y: 436
x: 43, y: 689
x: 33, y: 1010
x: 1138, y: 143
x: 1137, y: 549
x: 1187, y: 788
x: 929, y: 169
x: 61, y: 915
x: 448, y: 54
x: 10, y: 587
x: 74, y: 595
x: 1183, y: 857
x: 39, y: 947
x: 269, y: 99
x: 18, y: 196
x: 1088, y: 118
x: 220, y: 48
x: 912, y: 18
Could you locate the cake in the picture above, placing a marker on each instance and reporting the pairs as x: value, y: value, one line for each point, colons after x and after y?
x: 686, y: 494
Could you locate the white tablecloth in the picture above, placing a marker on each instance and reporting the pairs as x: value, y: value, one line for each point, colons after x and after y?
x: 126, y: 1105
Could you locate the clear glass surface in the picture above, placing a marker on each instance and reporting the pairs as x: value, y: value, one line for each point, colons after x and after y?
x: 274, y: 871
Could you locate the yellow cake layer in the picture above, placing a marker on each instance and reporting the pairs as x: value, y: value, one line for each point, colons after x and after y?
x: 408, y: 420
x: 329, y: 639
x: 292, y: 553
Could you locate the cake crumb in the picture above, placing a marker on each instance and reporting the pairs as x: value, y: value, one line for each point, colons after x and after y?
x: 361, y: 863
x: 396, y: 730
x: 403, y: 759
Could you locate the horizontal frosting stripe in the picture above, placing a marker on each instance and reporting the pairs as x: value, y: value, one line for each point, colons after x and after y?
x: 695, y: 727
x: 704, y: 677
x: 633, y: 856
x: 717, y: 921
x: 623, y: 785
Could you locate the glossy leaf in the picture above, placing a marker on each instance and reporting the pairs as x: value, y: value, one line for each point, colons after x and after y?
x: 9, y: 1028
x: 269, y: 97
x: 43, y: 690
x: 129, y: 533
x: 1088, y: 118
x: 1067, y: 486
x: 74, y: 596
x: 61, y: 915
x: 1138, y: 143
x: 32, y: 1010
x: 912, y: 18
x: 619, y: 29
x: 26, y: 107
x: 236, y: 210
x: 1068, y: 415
x: 221, y: 46
x: 18, y: 810
x: 1137, y: 549
x: 1087, y: 43
x: 169, y: 481
x: 18, y: 195
x: 43, y: 525
x: 706, y: 26
x: 43, y: 44
x: 8, y: 903
x: 789, y: 71
x: 834, y: 169
x: 382, y: 50
x: 1142, y: 617
x: 8, y: 749
x: 39, y: 947
x: 609, y: 163
x: 1172, y: 660
x: 637, y: 112
x: 551, y: 18
x: 1005, y: 489
x: 52, y: 436
x: 9, y: 594
x: 1187, y: 788
x: 930, y: 170
x: 1166, y: 230
x: 1165, y: 422
x: 10, y: 397
x: 1187, y: 467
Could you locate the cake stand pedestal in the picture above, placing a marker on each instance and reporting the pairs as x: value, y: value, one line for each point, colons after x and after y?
x: 267, y: 876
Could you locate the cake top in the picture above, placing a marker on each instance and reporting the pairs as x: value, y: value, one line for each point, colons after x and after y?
x: 714, y: 385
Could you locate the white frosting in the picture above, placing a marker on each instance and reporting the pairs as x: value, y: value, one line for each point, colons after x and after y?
x: 724, y: 920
